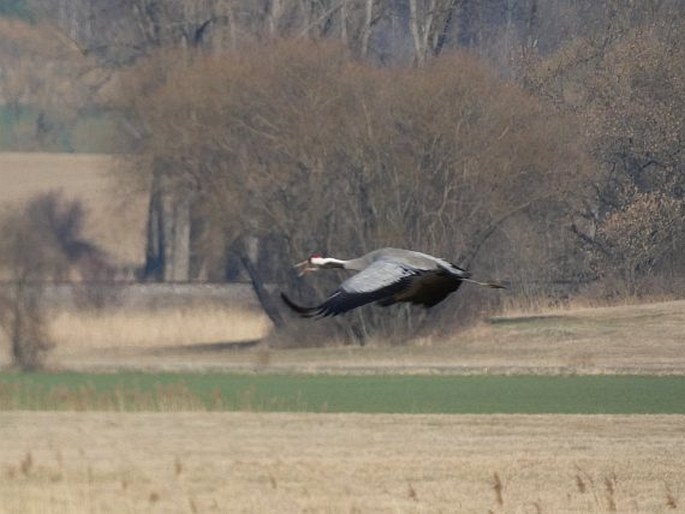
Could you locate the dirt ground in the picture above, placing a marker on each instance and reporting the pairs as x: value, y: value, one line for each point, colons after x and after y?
x: 254, y: 462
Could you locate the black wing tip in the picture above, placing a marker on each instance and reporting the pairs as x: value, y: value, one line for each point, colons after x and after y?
x: 320, y: 311
x: 305, y: 312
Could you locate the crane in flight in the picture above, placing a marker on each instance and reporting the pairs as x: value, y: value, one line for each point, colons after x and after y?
x: 386, y: 276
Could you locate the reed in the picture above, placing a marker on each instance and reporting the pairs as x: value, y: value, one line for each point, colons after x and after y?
x: 77, y: 331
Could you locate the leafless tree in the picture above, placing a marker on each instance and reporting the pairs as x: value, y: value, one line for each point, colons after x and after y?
x: 43, y: 242
x: 430, y: 22
x: 299, y: 143
x: 45, y: 77
x: 626, y: 86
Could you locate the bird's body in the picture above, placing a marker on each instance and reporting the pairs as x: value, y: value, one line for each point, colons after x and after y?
x: 386, y: 276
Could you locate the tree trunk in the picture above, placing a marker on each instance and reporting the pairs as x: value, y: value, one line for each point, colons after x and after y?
x: 440, y: 37
x: 168, y: 234
x: 366, y: 30
x: 178, y: 211
x: 16, y: 329
x: 27, y: 331
x: 154, y: 252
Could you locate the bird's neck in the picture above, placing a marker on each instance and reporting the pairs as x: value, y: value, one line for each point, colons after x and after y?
x: 329, y: 262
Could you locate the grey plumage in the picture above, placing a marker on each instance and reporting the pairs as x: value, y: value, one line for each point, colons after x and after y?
x: 386, y: 276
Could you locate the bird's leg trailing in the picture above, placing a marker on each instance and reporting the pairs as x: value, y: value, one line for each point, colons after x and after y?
x: 493, y: 285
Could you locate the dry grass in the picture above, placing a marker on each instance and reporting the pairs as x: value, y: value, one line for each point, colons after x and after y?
x: 151, y: 329
x: 245, y: 462
x: 146, y: 338
x: 92, y: 339
x: 645, y: 338
x: 116, y: 221
x: 626, y: 339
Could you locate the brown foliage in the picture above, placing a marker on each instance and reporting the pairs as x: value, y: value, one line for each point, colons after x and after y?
x: 640, y: 235
x: 298, y: 142
x: 628, y: 90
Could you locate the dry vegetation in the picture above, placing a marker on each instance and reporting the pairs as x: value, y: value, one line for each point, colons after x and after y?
x: 245, y: 462
x: 642, y: 338
x: 265, y: 134
x: 303, y: 146
x: 114, y: 329
x: 304, y: 149
x: 150, y: 336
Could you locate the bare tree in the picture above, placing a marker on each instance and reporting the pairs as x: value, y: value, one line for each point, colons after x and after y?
x: 42, y: 243
x: 301, y: 144
x: 626, y: 85
x: 33, y: 86
x: 430, y: 21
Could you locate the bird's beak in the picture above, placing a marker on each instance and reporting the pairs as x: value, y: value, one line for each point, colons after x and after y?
x: 303, y: 268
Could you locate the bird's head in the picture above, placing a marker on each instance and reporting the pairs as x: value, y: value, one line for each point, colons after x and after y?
x: 313, y: 263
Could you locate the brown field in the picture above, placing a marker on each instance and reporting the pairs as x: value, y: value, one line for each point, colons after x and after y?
x: 115, y: 221
x: 645, y: 338
x: 250, y: 462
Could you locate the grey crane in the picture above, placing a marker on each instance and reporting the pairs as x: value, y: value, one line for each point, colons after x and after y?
x: 386, y: 276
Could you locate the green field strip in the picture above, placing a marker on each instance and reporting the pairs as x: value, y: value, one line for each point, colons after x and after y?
x: 486, y: 394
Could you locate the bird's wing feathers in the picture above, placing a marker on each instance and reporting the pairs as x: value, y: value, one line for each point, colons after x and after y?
x: 421, y: 280
x: 377, y: 276
x: 378, y: 282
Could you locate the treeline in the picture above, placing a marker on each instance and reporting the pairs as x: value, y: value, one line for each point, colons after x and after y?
x: 305, y: 149
x: 539, y: 143
x: 628, y: 94
x: 386, y: 32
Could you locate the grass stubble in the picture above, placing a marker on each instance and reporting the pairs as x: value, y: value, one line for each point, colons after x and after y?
x: 295, y: 462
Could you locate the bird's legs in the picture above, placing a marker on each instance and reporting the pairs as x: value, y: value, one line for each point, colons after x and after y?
x: 493, y: 285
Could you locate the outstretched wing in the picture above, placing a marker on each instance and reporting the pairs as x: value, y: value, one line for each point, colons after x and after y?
x: 379, y: 282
